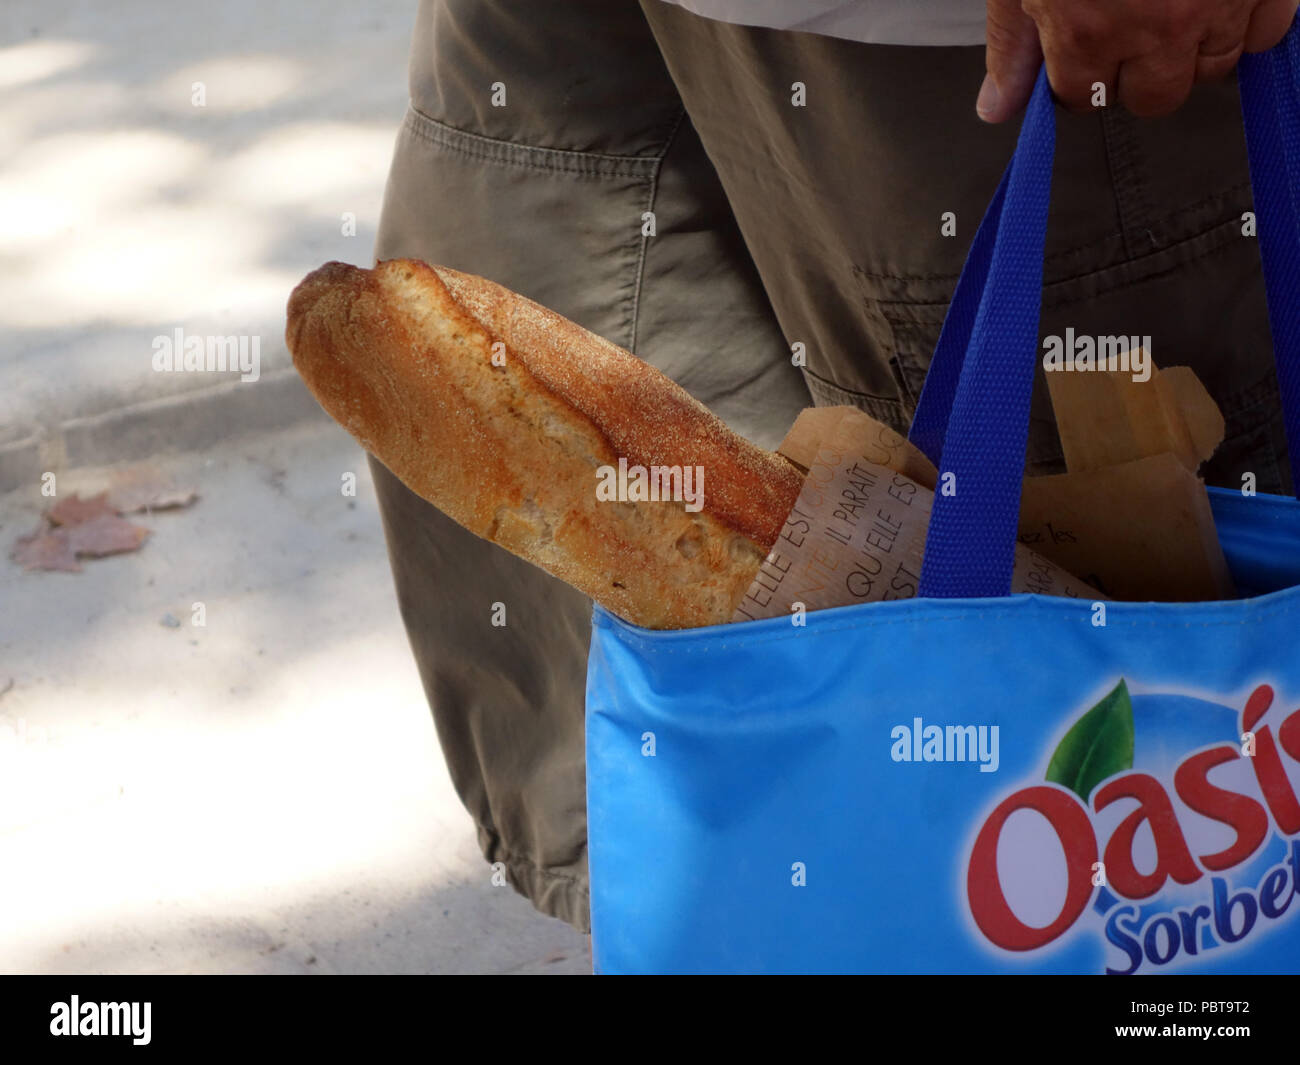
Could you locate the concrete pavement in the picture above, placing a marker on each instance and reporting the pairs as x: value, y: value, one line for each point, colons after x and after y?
x: 262, y: 793
x: 137, y: 203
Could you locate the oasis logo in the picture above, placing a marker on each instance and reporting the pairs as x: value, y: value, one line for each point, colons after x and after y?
x: 1139, y: 845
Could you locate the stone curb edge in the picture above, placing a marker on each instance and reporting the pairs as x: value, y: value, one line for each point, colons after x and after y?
x: 192, y: 421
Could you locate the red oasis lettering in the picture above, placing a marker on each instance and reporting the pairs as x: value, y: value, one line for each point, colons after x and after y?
x: 1243, y: 815
x: 1268, y: 763
x: 1172, y: 856
x: 989, y: 906
x: 1070, y: 820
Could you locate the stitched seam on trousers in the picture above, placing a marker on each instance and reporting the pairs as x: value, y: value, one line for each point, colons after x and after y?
x: 1123, y: 165
x: 1066, y: 253
x: 851, y: 391
x: 511, y: 858
x: 1212, y: 237
x: 1112, y: 149
x: 645, y: 240
x: 1247, y: 402
x: 545, y: 874
x: 526, y: 156
x: 1050, y: 257
x: 1237, y: 187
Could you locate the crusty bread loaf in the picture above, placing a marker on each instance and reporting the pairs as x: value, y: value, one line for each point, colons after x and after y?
x: 402, y: 357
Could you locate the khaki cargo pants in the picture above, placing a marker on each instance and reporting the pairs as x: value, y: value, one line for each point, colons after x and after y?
x: 540, y: 141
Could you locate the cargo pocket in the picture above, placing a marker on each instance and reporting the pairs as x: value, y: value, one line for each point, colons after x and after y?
x: 844, y: 376
x: 1199, y: 299
x: 560, y: 227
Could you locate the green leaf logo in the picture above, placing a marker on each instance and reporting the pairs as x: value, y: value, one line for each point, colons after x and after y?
x: 1099, y: 745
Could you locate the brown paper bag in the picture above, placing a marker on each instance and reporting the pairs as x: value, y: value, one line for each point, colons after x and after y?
x: 1131, y: 516
x: 857, y: 532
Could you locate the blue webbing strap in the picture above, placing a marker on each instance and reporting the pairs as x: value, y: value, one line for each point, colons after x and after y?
x: 971, y: 542
x: 973, y: 416
x: 1270, y: 105
x: 930, y: 422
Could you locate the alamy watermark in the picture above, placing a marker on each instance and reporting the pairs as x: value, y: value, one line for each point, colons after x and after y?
x: 1080, y: 354
x: 208, y: 354
x: 642, y: 484
x: 17, y: 738
x: 131, y: 1019
x: 919, y: 742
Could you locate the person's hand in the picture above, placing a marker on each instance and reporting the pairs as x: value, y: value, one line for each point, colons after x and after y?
x: 1144, y: 54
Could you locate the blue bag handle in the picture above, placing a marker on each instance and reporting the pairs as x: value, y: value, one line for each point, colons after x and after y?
x: 972, y: 419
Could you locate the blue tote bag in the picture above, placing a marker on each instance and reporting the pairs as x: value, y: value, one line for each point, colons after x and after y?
x: 973, y: 781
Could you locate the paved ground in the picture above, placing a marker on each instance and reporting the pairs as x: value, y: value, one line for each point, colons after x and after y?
x: 131, y: 212
x: 263, y: 793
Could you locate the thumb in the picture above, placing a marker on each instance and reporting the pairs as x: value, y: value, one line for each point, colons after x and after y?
x: 1012, y: 58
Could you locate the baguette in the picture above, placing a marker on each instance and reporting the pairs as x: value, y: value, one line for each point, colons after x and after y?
x: 513, y: 447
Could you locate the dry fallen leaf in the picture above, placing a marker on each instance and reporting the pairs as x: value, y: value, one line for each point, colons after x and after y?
x: 58, y: 547
x: 47, y: 549
x: 106, y: 535
x: 75, y: 527
x: 144, y: 488
x: 73, y: 510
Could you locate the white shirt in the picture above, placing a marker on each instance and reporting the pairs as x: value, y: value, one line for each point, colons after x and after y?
x: 922, y: 22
